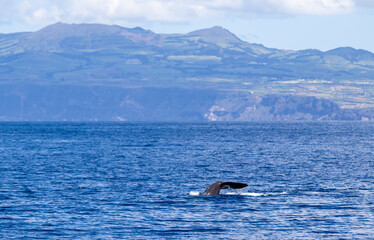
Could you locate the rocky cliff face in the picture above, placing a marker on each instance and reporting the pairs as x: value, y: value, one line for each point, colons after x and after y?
x: 79, y: 103
x: 249, y: 107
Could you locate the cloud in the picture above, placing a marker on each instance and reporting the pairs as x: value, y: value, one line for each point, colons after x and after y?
x: 112, y: 11
x: 311, y: 7
x: 365, y: 3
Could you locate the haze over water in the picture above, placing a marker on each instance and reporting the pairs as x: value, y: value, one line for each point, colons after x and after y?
x: 139, y: 180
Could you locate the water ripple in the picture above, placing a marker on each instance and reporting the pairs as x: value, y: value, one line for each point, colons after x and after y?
x: 144, y: 180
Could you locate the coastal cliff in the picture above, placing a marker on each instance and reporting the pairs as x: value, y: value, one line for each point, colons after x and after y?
x: 80, y: 103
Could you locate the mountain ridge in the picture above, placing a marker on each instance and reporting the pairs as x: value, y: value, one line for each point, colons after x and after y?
x: 214, y: 33
x: 207, y: 33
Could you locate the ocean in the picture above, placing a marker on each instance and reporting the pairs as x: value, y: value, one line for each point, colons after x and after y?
x: 307, y: 180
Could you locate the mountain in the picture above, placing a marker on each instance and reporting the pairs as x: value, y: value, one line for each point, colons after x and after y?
x: 72, y: 57
x: 217, y: 35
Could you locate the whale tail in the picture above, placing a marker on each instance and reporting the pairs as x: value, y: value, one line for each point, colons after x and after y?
x: 234, y: 185
x: 216, y: 187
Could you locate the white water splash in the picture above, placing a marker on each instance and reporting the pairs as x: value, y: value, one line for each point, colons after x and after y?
x: 251, y: 194
x: 195, y: 193
x: 246, y: 194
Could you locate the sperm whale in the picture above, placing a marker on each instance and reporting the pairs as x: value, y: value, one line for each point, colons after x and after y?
x: 216, y: 187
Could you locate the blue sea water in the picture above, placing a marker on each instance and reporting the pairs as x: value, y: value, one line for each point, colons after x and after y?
x: 141, y: 180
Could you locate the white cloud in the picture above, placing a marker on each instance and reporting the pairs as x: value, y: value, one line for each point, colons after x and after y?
x: 365, y: 3
x: 313, y: 7
x: 112, y: 11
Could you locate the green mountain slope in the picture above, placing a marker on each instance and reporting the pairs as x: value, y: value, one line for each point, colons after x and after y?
x: 207, y: 59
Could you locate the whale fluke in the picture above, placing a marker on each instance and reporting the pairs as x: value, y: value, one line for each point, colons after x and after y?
x: 216, y: 187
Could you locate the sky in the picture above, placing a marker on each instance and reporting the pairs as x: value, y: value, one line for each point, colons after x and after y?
x: 283, y: 24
